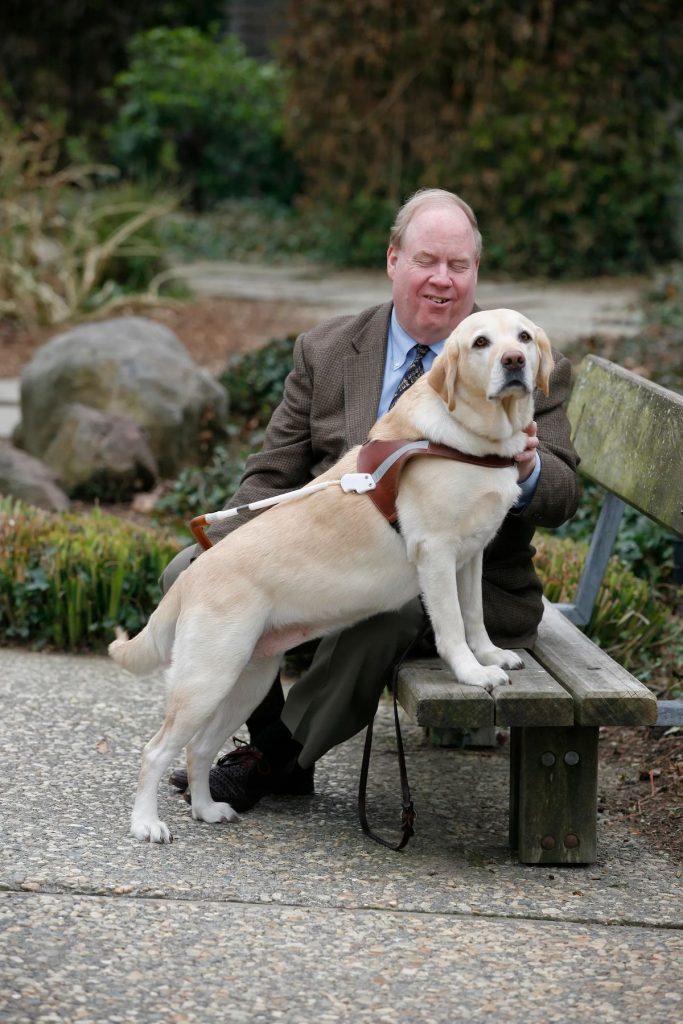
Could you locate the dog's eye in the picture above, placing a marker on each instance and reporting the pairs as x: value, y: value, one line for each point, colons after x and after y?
x: 524, y: 336
x: 480, y: 342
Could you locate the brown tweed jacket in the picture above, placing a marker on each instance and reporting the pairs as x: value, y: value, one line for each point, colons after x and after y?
x: 329, y: 404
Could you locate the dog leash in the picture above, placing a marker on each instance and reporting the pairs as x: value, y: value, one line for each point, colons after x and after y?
x: 355, y: 483
x: 379, y: 467
x: 408, y: 813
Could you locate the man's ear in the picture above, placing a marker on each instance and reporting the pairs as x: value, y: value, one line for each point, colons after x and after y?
x: 442, y: 376
x: 392, y: 257
x: 546, y: 362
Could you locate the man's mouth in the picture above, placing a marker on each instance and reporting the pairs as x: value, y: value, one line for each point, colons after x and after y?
x: 437, y: 299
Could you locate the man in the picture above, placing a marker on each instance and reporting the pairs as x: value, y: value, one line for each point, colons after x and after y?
x: 346, y: 373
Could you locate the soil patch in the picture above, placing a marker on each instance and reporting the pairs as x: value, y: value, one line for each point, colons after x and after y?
x: 641, y: 784
x: 210, y: 329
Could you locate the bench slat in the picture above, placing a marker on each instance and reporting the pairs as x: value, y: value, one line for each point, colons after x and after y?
x: 428, y: 692
x: 430, y: 695
x: 628, y: 433
x: 604, y: 693
x: 533, y: 699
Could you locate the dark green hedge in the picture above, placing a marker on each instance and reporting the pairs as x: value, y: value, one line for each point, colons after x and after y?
x: 555, y: 121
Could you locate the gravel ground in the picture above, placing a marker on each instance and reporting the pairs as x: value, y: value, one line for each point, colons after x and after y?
x: 292, y: 914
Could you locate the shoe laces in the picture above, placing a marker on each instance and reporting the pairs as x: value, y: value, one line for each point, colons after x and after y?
x: 248, y: 754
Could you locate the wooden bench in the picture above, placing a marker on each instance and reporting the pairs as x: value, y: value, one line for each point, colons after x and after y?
x: 629, y: 435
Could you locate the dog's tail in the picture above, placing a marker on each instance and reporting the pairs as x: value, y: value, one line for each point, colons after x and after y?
x: 153, y: 645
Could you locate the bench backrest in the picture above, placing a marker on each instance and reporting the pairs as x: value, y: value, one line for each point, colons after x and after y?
x: 629, y: 434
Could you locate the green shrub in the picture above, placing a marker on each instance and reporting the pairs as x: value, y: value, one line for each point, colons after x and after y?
x: 194, y: 107
x: 71, y: 242
x: 644, y: 547
x: 61, y: 55
x: 556, y: 122
x: 629, y: 621
x: 255, y: 381
x: 200, y: 489
x: 354, y: 232
x: 66, y: 580
x: 241, y: 229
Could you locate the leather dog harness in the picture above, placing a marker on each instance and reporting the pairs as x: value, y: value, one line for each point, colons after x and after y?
x: 384, y: 460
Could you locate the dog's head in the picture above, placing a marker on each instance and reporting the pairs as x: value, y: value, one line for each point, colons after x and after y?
x: 495, y: 353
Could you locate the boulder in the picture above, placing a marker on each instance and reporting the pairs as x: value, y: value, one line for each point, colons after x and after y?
x: 101, y: 455
x: 30, y: 480
x: 130, y: 367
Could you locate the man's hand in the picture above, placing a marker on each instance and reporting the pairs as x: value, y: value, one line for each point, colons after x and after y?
x: 526, y: 460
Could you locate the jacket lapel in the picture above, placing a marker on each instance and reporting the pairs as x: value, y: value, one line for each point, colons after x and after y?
x: 364, y: 375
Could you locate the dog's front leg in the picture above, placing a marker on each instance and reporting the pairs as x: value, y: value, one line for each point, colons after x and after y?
x: 436, y: 568
x: 469, y: 578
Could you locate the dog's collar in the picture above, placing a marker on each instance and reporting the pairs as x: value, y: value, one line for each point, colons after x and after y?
x: 384, y: 460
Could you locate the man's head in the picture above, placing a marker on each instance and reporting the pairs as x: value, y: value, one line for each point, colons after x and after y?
x: 433, y: 261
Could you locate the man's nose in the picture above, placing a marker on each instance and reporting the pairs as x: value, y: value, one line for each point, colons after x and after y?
x: 513, y: 360
x: 440, y: 273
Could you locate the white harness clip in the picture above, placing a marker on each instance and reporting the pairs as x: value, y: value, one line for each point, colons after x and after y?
x: 359, y: 483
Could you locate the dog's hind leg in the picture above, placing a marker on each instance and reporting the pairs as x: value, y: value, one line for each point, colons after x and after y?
x: 212, y: 656
x: 247, y: 693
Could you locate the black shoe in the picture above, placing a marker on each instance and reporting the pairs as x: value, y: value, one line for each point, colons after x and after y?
x: 243, y: 776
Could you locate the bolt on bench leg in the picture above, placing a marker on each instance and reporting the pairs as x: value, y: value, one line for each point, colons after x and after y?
x: 553, y: 794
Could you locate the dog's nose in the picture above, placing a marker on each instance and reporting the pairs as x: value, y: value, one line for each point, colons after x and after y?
x: 513, y: 360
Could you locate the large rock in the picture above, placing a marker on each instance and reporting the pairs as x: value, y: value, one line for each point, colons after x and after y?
x: 30, y: 480
x: 129, y: 367
x: 101, y: 455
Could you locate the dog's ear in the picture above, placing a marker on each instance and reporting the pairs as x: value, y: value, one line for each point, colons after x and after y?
x: 546, y: 362
x: 443, y: 374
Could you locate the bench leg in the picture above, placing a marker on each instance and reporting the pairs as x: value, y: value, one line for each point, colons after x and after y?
x: 553, y: 794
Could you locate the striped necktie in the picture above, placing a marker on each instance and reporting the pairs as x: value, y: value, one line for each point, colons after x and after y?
x: 413, y: 373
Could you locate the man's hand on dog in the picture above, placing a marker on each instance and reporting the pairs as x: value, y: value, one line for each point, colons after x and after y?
x: 526, y: 460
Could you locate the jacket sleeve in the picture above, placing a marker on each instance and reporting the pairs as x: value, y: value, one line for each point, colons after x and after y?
x: 285, y: 460
x: 557, y: 492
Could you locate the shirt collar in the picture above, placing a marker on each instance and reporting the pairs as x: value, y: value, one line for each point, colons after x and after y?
x: 401, y: 342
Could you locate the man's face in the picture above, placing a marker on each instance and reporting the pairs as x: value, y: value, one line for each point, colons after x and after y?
x: 434, y: 273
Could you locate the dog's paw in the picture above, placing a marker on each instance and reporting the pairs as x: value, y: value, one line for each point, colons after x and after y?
x: 214, y: 812
x: 486, y: 676
x: 497, y: 656
x: 151, y: 831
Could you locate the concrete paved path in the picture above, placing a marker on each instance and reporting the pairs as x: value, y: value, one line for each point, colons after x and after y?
x: 292, y: 915
x: 566, y: 310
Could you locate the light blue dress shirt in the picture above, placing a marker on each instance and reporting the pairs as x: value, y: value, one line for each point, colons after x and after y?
x: 400, y: 354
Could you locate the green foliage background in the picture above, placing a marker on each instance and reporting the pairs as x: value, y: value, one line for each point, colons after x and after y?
x: 559, y: 123
x: 193, y: 108
x: 58, y: 56
x: 555, y: 121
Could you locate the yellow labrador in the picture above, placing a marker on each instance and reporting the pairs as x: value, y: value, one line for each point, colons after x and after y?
x: 330, y: 559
